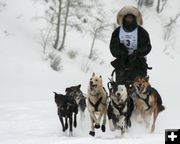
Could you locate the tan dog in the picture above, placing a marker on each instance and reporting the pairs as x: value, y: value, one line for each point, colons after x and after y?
x: 97, y: 97
x: 147, y: 102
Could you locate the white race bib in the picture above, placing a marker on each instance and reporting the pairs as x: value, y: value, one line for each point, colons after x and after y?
x: 129, y: 39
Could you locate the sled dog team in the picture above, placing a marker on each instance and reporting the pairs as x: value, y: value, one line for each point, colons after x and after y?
x: 117, y: 106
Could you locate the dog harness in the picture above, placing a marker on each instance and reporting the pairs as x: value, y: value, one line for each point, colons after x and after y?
x: 120, y: 109
x: 96, y: 105
x: 146, y: 100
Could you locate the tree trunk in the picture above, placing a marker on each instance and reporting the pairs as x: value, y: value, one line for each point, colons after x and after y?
x: 45, y: 41
x: 65, y: 25
x: 92, y: 45
x: 140, y: 3
x: 158, y: 6
x: 58, y: 25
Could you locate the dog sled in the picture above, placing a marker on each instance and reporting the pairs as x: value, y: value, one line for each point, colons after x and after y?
x: 127, y: 76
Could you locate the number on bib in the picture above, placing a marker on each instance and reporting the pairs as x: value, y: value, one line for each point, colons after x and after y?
x: 128, y: 43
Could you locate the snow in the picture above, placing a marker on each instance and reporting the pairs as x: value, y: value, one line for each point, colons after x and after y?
x: 27, y: 108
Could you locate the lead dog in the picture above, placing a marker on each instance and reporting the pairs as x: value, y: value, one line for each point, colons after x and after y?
x: 148, y: 101
x: 97, y: 97
x: 120, y: 107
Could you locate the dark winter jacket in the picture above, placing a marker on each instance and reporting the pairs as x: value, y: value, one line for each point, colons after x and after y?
x: 128, y: 67
x: 118, y: 50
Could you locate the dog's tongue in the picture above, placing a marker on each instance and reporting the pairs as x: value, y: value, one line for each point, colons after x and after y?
x: 118, y: 99
x: 139, y: 88
x: 91, y: 87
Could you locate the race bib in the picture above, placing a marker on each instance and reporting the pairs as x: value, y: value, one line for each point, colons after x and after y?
x: 129, y: 39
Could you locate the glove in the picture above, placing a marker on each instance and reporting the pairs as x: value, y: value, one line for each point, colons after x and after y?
x: 118, y: 64
x: 132, y: 57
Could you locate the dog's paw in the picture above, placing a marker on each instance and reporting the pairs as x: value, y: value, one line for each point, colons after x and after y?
x: 103, y: 128
x: 122, y: 131
x: 139, y: 119
x: 92, y: 133
x: 129, y: 123
x: 97, y: 126
x: 63, y: 129
x: 70, y: 133
x: 66, y: 126
x: 111, y: 125
x: 75, y: 124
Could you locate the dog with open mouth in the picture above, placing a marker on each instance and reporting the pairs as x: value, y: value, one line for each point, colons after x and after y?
x: 148, y: 102
x: 97, y: 105
x: 120, y: 107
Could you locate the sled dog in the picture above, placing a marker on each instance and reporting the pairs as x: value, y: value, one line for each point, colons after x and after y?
x: 120, y: 108
x: 66, y: 107
x: 97, y: 106
x: 147, y: 102
x: 80, y: 99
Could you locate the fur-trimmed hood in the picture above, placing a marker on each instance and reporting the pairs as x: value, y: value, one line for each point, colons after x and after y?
x: 129, y: 10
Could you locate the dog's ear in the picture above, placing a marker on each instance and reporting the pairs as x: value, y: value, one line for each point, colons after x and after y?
x: 79, y: 86
x: 114, y: 85
x: 55, y: 93
x: 93, y: 74
x: 147, y: 78
x: 136, y: 78
x: 67, y: 89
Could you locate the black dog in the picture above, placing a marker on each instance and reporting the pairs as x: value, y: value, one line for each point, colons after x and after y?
x: 66, y: 107
x: 77, y: 94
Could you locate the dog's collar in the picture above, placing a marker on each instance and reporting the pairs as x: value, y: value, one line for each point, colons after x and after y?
x: 98, y: 94
x: 148, y: 91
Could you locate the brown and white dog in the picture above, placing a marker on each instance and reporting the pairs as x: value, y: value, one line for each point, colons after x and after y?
x: 97, y: 106
x: 148, y: 102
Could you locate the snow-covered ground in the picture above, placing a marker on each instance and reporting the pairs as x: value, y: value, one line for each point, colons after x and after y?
x: 27, y: 108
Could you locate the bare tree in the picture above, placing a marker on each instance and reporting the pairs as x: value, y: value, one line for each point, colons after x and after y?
x: 94, y: 33
x: 148, y: 3
x: 58, y: 15
x: 160, y: 7
x: 45, y: 38
x: 99, y: 26
x: 170, y: 36
x: 169, y: 27
x: 56, y: 42
x: 2, y: 5
x: 140, y: 3
x: 97, y: 33
x: 65, y: 25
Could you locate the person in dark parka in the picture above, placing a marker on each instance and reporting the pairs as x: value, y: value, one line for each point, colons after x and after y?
x: 130, y: 43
